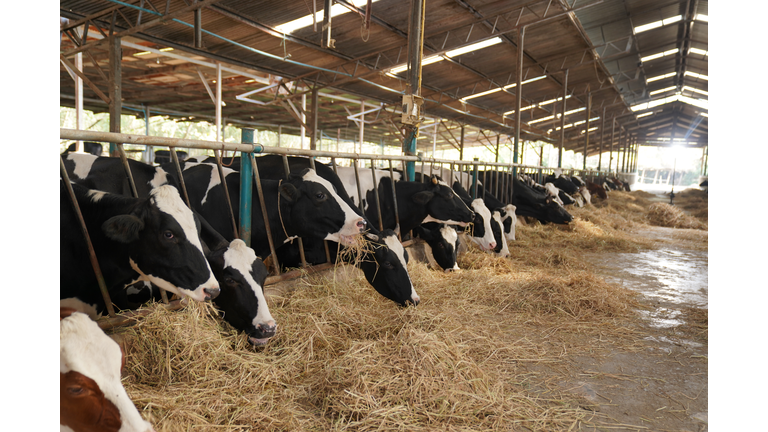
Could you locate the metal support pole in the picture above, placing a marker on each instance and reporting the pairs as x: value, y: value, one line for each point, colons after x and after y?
x: 498, y: 144
x: 198, y: 39
x: 415, y: 53
x: 115, y: 92
x: 562, y: 122
x: 303, y: 118
x: 246, y: 188
x: 586, y: 138
x: 362, y: 125
x: 313, y: 132
x: 602, y: 137
x: 149, y: 154
x: 613, y: 136
x: 218, y: 102
x: 474, y: 178
x: 518, y: 97
x: 79, y: 115
x: 461, y: 144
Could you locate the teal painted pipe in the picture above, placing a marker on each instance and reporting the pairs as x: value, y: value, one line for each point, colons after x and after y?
x: 246, y: 188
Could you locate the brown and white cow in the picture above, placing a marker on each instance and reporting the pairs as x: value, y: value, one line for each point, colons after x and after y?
x: 92, y: 398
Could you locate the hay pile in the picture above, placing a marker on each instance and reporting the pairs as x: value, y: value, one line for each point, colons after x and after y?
x: 344, y: 358
x: 665, y: 215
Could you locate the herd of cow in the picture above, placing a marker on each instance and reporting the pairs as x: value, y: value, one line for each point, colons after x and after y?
x: 189, y: 246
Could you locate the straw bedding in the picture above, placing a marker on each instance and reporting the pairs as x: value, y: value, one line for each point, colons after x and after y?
x: 345, y: 358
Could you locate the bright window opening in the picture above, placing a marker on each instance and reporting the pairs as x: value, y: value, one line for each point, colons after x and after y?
x: 659, y: 55
x: 473, y: 47
x: 653, y: 25
x: 306, y: 20
x: 656, y: 78
x: 655, y: 92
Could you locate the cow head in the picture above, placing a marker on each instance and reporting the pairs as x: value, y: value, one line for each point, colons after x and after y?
x: 508, y: 220
x: 242, y: 303
x: 443, y: 241
x: 482, y: 233
x: 161, y: 235
x: 91, y: 396
x: 443, y: 204
x: 314, y: 209
x: 501, y: 249
x: 386, y: 268
x: 555, y: 213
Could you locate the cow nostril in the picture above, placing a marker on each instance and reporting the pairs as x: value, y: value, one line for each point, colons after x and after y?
x: 212, y: 292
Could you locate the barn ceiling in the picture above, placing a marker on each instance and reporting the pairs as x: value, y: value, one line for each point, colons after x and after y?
x: 640, y: 63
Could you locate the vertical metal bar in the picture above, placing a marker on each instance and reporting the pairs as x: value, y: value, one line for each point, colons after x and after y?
x: 586, y: 133
x: 226, y: 192
x: 415, y: 54
x: 91, y: 251
x: 148, y: 150
x: 461, y: 148
x: 115, y: 89
x: 303, y: 118
x: 376, y: 194
x: 362, y: 124
x: 183, y: 185
x: 218, y: 102
x: 313, y: 126
x: 359, y: 189
x: 562, y: 122
x: 613, y: 137
x: 287, y: 168
x: 246, y: 188
x: 518, y: 95
x: 394, y: 200
x: 262, y: 204
x: 474, y: 178
x: 79, y: 115
x: 602, y: 136
x: 198, y: 39
x: 498, y: 143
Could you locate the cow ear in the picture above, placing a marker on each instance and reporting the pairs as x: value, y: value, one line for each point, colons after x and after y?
x: 123, y: 228
x: 423, y: 197
x: 289, y: 192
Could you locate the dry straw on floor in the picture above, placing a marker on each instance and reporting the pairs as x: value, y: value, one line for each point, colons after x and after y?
x: 345, y: 358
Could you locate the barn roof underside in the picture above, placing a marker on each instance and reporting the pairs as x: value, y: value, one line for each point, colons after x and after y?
x: 641, y: 63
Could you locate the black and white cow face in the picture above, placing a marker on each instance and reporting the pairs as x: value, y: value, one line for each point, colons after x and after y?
x: 508, y: 220
x: 313, y: 198
x: 163, y: 244
x: 501, y: 249
x: 555, y: 212
x: 444, y: 205
x: 242, y: 302
x: 443, y: 241
x: 482, y: 233
x: 386, y: 268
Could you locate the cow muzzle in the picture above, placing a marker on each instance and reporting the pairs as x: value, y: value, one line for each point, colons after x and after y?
x: 211, y: 293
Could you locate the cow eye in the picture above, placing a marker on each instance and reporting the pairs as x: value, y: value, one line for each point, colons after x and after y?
x: 388, y: 265
x: 168, y: 235
x: 75, y: 390
x: 230, y: 281
x: 441, y: 246
x: 320, y: 196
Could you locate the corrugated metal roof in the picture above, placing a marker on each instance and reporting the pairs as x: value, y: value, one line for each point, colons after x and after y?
x: 595, y: 43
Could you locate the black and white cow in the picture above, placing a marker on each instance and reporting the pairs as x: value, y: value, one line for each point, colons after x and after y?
x: 154, y: 237
x: 384, y: 270
x: 442, y: 241
x: 533, y: 203
x: 107, y: 174
x: 482, y: 230
x: 304, y: 205
x: 92, y: 397
x: 384, y: 262
x: 239, y: 271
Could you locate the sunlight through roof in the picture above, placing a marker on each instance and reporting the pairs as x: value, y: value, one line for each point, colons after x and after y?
x: 306, y: 20
x: 660, y: 23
